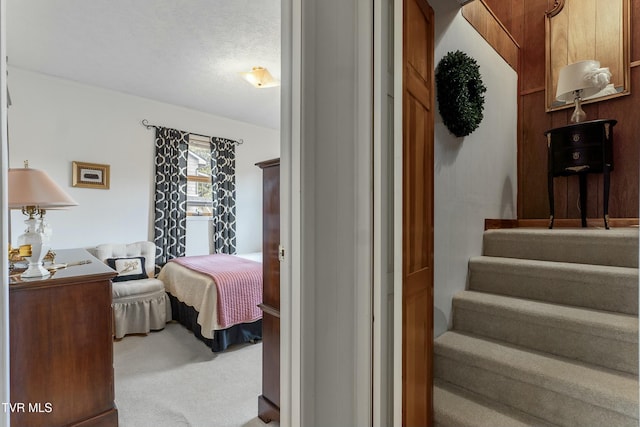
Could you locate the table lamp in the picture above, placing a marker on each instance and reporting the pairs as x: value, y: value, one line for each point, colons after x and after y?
x: 581, y: 80
x: 33, y: 191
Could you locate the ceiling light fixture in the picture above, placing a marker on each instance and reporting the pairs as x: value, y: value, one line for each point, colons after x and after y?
x: 260, y: 78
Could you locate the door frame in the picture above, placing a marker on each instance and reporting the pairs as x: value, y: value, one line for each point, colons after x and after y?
x: 297, y: 328
x: 291, y: 316
x: 383, y: 181
x: 397, y: 211
x: 4, y: 228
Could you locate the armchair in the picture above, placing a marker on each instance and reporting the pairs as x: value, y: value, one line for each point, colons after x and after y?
x: 140, y: 303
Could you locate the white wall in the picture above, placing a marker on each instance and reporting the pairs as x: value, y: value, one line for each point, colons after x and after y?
x: 53, y: 122
x: 475, y: 176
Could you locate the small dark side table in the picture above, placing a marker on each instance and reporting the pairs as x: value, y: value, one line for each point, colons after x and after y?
x: 581, y: 149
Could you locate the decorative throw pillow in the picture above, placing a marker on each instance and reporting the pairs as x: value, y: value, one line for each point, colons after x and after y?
x: 128, y: 268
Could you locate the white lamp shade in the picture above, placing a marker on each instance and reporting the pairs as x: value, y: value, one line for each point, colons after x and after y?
x: 33, y: 187
x: 573, y: 77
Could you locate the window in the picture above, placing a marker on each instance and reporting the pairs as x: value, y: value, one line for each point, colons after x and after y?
x: 199, y: 201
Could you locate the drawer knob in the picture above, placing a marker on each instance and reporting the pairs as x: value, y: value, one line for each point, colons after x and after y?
x: 576, y: 155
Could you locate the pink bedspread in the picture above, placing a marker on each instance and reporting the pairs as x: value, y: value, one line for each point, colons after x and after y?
x: 238, y: 283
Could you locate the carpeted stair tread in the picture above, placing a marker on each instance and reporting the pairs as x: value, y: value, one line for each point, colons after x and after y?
x: 602, y: 338
x: 616, y: 247
x: 597, y: 286
x: 613, y: 391
x: 456, y: 407
x: 622, y: 327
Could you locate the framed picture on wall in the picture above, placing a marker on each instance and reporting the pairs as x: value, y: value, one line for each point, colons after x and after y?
x: 90, y: 175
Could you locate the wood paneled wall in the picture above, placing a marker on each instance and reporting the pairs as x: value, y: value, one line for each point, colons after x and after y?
x: 492, y: 30
x: 525, y: 19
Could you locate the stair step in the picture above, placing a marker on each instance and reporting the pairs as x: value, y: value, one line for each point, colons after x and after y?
x: 456, y: 407
x: 595, y: 286
x: 592, y: 336
x: 616, y: 247
x: 549, y: 387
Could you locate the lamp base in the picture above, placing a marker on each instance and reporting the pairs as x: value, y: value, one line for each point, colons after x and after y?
x: 578, y: 113
x: 35, y: 269
x: 39, y: 244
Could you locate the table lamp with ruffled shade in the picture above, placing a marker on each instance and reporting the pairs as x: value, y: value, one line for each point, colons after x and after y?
x: 581, y: 80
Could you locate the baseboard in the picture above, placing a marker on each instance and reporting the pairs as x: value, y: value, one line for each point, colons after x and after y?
x: 492, y: 224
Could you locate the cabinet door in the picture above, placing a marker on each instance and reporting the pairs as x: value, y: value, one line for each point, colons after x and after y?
x: 271, y: 358
x: 271, y: 236
x: 269, y: 401
x: 61, y: 354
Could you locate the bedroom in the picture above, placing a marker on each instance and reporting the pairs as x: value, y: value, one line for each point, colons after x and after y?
x: 91, y: 123
x: 57, y: 119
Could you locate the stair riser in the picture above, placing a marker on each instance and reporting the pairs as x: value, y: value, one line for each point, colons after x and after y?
x: 608, y: 351
x: 455, y: 407
x: 614, y: 251
x: 543, y: 403
x: 619, y: 294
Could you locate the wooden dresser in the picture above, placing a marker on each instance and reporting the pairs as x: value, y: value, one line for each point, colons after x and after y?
x: 61, y: 343
x: 269, y: 401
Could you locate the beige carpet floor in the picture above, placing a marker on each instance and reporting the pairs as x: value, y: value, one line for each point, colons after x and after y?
x: 170, y: 379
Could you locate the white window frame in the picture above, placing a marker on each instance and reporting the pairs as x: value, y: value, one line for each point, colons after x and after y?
x: 203, y: 142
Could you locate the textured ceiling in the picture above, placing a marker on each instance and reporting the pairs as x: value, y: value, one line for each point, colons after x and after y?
x: 182, y: 52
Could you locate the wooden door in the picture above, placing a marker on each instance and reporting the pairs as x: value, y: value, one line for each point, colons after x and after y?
x: 417, y: 216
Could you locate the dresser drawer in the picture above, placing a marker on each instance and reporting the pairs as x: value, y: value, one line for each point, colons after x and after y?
x: 578, y: 159
x: 580, y: 148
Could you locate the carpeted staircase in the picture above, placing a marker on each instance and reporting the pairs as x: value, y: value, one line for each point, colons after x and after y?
x: 546, y: 334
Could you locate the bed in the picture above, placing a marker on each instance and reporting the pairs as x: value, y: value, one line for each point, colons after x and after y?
x: 216, y: 297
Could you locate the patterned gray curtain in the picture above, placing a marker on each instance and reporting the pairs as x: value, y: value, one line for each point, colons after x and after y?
x: 171, y: 194
x: 223, y: 192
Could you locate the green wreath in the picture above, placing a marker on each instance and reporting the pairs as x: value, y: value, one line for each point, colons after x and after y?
x: 460, y: 93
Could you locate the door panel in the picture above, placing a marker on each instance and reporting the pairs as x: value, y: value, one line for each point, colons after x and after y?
x: 417, y: 221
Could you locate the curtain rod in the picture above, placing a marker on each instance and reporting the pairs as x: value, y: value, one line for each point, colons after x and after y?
x: 146, y: 124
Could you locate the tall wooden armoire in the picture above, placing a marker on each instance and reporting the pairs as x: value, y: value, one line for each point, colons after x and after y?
x: 269, y: 401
